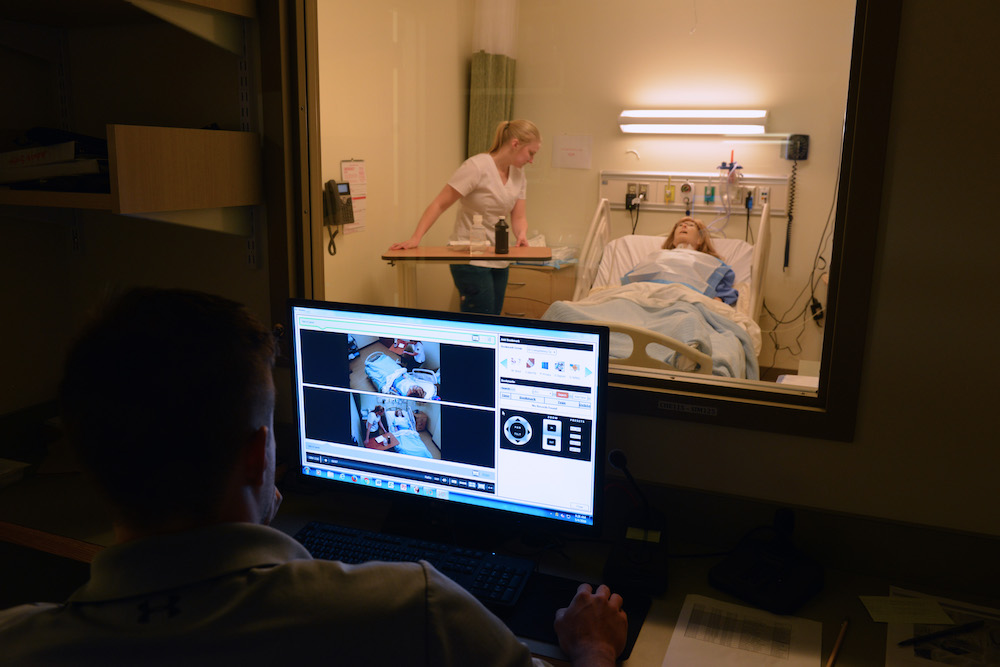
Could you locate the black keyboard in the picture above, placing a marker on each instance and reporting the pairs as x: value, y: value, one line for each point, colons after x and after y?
x: 496, y: 580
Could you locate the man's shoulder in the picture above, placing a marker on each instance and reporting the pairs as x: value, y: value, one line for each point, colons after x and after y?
x: 12, y: 617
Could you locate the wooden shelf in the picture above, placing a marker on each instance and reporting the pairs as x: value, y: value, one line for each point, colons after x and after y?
x: 96, y: 201
x: 176, y: 169
x: 74, y: 14
x: 156, y: 169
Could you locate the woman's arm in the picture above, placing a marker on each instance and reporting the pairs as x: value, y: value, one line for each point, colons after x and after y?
x: 441, y: 203
x: 519, y: 222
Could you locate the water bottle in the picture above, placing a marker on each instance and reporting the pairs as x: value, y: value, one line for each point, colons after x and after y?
x: 502, y: 247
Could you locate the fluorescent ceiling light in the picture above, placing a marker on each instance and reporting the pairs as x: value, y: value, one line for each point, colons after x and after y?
x: 693, y: 121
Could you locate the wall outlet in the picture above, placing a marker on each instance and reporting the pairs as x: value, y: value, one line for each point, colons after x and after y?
x: 631, y: 192
x: 669, y: 194
x: 763, y: 196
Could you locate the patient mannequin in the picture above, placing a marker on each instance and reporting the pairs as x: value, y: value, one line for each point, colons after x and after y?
x: 399, y: 420
x: 690, y: 232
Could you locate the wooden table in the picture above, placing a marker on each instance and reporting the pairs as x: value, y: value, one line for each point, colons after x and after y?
x: 390, y: 442
x: 405, y: 261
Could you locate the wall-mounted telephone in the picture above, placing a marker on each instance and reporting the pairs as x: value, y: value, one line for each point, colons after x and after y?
x: 338, y: 209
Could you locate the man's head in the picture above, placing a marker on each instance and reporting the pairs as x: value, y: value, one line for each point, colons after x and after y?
x: 161, y: 395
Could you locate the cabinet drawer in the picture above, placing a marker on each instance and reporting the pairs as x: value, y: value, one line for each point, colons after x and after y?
x: 517, y: 307
x: 526, y: 283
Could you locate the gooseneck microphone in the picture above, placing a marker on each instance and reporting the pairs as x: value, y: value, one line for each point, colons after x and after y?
x: 639, y: 561
x: 617, y: 458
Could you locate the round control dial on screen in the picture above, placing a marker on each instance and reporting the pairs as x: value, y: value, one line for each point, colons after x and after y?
x: 517, y: 430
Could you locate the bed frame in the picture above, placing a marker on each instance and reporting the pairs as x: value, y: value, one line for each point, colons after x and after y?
x: 598, y: 237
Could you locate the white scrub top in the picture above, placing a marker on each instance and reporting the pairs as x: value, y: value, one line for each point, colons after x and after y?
x: 478, y: 181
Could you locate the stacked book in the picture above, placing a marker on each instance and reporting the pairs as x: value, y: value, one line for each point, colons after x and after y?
x: 78, y: 164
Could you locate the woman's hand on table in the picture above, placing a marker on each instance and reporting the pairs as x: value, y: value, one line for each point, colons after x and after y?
x: 404, y: 245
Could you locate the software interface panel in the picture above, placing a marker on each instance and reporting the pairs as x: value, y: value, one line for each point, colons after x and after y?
x: 499, y: 415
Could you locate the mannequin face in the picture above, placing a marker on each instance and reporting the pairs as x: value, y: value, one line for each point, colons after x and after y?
x: 687, y: 232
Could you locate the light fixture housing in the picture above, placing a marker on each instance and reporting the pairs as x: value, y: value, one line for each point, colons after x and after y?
x: 693, y: 121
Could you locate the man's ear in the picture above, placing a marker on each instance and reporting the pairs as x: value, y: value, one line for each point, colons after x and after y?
x: 255, y: 456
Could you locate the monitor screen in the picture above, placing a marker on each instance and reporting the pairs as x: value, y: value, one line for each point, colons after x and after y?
x: 498, y: 414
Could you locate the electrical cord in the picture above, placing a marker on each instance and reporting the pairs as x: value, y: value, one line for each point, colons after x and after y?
x: 812, y: 305
x: 331, y: 246
x: 635, y: 209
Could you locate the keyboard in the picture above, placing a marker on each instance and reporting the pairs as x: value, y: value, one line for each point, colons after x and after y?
x: 494, y: 579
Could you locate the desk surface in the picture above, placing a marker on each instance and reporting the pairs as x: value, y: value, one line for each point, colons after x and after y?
x: 388, y: 442
x: 460, y: 254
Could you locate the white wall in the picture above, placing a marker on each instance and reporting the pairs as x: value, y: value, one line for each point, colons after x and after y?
x: 581, y: 62
x: 393, y: 92
x: 925, y: 449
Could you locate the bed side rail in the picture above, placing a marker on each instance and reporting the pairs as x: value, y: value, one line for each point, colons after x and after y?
x: 642, y: 338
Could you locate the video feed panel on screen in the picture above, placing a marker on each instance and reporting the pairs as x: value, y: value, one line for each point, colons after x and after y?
x: 485, y: 412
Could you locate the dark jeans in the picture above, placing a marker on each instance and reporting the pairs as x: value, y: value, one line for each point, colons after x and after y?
x: 481, y: 289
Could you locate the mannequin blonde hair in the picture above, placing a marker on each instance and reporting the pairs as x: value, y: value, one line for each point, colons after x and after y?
x: 706, y: 239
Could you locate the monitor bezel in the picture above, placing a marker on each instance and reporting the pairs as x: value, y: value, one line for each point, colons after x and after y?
x: 471, y: 516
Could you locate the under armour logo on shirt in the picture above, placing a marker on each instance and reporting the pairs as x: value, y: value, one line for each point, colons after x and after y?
x: 147, y: 609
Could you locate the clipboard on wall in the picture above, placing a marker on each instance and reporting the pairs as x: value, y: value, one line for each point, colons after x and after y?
x: 353, y: 173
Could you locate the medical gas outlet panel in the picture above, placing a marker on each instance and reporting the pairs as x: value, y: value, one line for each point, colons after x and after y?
x: 697, y: 192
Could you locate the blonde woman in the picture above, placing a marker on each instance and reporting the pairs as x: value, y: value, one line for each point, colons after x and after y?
x: 490, y: 184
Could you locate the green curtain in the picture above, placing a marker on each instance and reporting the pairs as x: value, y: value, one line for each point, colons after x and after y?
x: 491, y: 98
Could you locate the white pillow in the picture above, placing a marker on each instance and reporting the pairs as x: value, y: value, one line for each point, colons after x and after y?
x: 622, y: 254
x: 737, y: 254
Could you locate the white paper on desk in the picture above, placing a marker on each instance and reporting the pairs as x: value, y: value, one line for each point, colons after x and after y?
x: 979, y: 647
x: 710, y: 633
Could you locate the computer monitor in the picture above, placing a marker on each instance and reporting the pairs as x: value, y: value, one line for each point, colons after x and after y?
x: 503, y: 417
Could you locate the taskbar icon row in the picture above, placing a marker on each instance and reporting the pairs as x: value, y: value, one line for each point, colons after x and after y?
x: 413, y: 481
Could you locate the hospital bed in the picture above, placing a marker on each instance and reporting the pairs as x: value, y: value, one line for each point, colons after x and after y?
x: 390, y: 377
x: 670, y: 327
x: 406, y: 433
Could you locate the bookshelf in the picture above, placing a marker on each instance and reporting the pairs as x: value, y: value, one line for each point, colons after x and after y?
x: 166, y: 169
x: 153, y: 168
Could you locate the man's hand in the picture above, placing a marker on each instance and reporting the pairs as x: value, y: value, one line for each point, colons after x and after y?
x: 593, y: 629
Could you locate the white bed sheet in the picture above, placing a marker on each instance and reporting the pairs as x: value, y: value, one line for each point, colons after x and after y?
x: 621, y: 255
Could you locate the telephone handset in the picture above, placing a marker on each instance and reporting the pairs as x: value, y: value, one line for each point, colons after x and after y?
x: 338, y: 209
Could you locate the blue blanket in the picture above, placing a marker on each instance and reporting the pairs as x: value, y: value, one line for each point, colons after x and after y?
x: 410, y: 443
x: 675, y: 311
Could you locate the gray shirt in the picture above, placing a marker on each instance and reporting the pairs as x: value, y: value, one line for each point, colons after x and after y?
x: 243, y: 594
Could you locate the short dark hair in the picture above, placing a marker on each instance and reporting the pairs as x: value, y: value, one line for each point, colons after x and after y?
x: 160, y: 392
